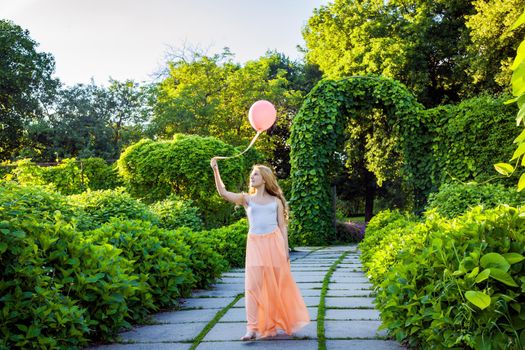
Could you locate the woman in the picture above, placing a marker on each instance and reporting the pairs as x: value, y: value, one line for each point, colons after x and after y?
x: 273, y: 300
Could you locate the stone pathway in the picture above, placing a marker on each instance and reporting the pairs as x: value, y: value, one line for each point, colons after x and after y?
x: 350, y: 321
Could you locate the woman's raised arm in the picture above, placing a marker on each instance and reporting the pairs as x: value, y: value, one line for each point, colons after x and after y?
x: 236, y: 198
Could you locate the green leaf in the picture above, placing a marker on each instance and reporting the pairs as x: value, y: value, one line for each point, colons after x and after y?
x: 521, y: 182
x: 503, y: 277
x: 519, y: 151
x: 479, y: 299
x: 513, y: 258
x: 482, y: 276
x: 504, y: 168
x: 520, y: 138
x: 496, y: 260
x: 519, y: 21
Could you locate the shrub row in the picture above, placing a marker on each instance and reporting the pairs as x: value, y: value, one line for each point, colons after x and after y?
x: 64, y: 284
x: 450, y: 283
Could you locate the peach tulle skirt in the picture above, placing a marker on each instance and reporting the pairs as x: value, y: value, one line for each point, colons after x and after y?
x: 273, y: 300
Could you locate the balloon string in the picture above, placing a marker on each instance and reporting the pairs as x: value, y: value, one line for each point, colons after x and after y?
x: 250, y: 146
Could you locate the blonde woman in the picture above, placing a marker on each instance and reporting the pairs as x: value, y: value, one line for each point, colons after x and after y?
x: 273, y: 300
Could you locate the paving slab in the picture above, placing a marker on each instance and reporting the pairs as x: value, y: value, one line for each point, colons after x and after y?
x: 185, y: 316
x: 216, y: 293
x: 205, y: 303
x: 239, y: 315
x: 233, y: 331
x: 308, y: 285
x: 149, y: 346
x: 163, y: 333
x: 350, y: 286
x: 350, y: 302
x: 349, y: 293
x: 357, y: 344
x: 274, y: 344
x: 352, y: 314
x: 353, y: 329
x: 350, y: 280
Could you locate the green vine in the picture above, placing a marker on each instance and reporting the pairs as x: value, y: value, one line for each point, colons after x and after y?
x: 318, y: 132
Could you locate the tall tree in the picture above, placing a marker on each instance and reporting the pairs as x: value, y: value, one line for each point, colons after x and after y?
x: 493, y: 45
x: 26, y: 85
x: 422, y: 43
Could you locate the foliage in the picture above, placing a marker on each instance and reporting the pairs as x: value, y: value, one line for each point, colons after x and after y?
x: 41, y: 202
x: 318, y: 130
x: 466, y: 138
x: 206, y: 262
x: 164, y: 268
x: 443, y: 51
x: 211, y: 95
x: 450, y: 283
x: 492, y: 45
x: 518, y: 90
x: 454, y: 199
x: 422, y: 45
x: 70, y: 176
x: 154, y: 170
x: 89, y: 121
x: 26, y: 84
x: 88, y: 285
x: 98, y: 207
x: 230, y: 242
x: 174, y: 213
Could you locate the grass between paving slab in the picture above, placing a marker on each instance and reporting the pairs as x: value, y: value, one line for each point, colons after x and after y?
x: 198, y: 339
x: 321, y: 311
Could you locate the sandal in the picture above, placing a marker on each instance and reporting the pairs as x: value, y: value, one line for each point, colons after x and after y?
x: 249, y: 336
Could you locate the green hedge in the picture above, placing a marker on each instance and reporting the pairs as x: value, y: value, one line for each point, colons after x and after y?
x: 161, y: 262
x: 95, y: 208
x: 469, y: 137
x: 450, y: 283
x: 174, y: 212
x: 71, y: 176
x: 454, y: 199
x: 63, y: 286
x: 154, y: 170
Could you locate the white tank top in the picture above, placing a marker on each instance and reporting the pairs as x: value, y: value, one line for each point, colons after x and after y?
x: 262, y: 218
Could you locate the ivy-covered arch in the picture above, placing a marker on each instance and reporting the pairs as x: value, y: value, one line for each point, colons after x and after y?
x: 317, y: 133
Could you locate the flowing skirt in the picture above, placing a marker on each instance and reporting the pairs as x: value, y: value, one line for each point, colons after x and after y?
x: 273, y: 300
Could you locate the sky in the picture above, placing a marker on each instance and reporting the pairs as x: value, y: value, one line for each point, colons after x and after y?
x: 129, y: 39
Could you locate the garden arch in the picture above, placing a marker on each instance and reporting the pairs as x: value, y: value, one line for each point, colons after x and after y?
x: 316, y: 135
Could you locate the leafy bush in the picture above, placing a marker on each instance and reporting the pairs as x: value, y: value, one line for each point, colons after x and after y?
x: 469, y: 137
x: 174, y: 213
x: 98, y: 207
x: 206, y: 262
x: 72, y: 176
x: 163, y: 268
x: 88, y: 285
x: 40, y: 202
x: 34, y: 315
x: 154, y: 170
x: 456, y: 283
x: 386, y: 234
x: 454, y: 199
x: 230, y: 242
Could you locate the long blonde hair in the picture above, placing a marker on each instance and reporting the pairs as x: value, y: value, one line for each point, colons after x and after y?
x: 271, y: 186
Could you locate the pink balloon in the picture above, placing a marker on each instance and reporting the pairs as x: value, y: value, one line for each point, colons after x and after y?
x: 262, y: 115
